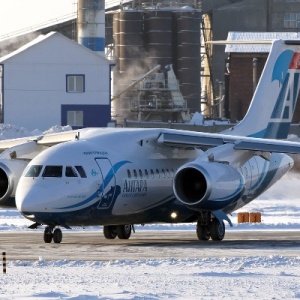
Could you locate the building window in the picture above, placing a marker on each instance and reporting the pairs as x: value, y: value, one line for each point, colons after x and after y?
x: 75, y: 118
x: 75, y: 83
x: 292, y: 20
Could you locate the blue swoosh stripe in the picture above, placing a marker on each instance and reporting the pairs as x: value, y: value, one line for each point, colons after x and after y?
x: 104, y: 184
x: 261, y: 177
x: 235, y: 193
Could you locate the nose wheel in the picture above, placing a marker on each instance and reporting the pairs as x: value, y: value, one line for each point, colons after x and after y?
x: 50, y: 234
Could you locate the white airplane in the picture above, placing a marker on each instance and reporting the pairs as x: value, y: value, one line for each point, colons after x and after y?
x: 118, y: 177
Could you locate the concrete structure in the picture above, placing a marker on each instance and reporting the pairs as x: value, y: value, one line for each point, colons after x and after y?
x: 55, y: 81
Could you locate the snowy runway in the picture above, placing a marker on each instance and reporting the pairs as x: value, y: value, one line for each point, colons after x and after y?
x: 159, y: 244
x: 253, y: 277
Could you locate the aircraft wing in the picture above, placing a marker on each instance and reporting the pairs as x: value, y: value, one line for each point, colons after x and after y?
x: 278, y: 146
x: 43, y: 140
x: 56, y: 138
x: 202, y: 140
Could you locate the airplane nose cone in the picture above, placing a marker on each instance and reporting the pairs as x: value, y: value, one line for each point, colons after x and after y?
x: 26, y: 198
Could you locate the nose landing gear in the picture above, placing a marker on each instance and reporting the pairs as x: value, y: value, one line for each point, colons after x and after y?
x: 50, y: 235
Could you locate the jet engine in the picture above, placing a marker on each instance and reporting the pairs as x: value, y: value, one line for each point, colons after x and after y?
x: 10, y: 173
x: 205, y: 185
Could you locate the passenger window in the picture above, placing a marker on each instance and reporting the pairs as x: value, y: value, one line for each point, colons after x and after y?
x: 152, y: 173
x: 34, y: 171
x: 172, y: 173
x: 128, y: 173
x: 163, y: 173
x: 167, y: 172
x: 140, y: 173
x: 81, y: 171
x: 157, y: 173
x: 146, y: 173
x: 53, y: 171
x: 70, y: 172
x: 135, y: 173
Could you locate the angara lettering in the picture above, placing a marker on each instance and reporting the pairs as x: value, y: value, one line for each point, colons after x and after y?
x: 133, y: 186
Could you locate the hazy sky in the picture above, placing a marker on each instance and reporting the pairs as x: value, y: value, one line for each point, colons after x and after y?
x: 20, y: 14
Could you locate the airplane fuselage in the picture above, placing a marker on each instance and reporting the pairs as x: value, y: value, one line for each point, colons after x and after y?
x: 124, y: 177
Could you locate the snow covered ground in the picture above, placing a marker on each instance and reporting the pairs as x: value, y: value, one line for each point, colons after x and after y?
x: 250, y: 277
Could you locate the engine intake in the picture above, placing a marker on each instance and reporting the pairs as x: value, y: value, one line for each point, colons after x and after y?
x: 207, y: 185
x: 10, y: 173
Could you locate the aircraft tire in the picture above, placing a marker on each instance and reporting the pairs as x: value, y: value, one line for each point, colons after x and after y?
x: 217, y: 230
x: 203, y: 232
x: 48, y: 235
x: 57, y: 236
x: 110, y: 232
x: 124, y: 232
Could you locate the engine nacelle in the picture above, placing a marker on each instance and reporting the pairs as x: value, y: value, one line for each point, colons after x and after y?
x: 203, y: 185
x: 10, y: 173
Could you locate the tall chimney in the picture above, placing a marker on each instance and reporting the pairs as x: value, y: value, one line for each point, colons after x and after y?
x: 91, y: 24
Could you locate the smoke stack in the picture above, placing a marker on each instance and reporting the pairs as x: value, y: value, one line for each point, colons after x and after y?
x: 91, y: 24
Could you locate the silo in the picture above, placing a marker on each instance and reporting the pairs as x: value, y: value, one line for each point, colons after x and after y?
x: 158, y: 36
x: 187, y: 61
x: 130, y: 39
x: 91, y: 24
x: 116, y: 38
x: 128, y: 56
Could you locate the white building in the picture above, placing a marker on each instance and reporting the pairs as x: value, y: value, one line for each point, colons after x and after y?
x: 55, y: 81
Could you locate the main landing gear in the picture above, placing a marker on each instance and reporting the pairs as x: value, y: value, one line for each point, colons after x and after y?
x: 210, y: 228
x: 123, y: 232
x: 52, y: 234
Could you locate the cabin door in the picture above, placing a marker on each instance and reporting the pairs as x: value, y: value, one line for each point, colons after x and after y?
x: 107, y: 186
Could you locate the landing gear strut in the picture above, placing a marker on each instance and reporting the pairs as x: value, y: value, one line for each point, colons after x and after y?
x: 123, y: 232
x: 50, y: 235
x: 210, y: 228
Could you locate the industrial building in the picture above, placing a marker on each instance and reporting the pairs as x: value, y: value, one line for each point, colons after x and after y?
x: 261, y: 16
x: 145, y: 37
x: 248, y: 60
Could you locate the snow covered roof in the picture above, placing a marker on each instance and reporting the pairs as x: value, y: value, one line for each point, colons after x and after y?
x: 44, y: 37
x: 260, y: 36
x: 26, y: 46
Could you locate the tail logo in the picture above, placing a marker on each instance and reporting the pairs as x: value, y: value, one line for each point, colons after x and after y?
x: 286, y: 71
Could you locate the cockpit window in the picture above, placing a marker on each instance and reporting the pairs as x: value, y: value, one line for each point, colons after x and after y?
x: 70, y: 172
x: 53, y: 171
x: 34, y: 171
x: 81, y: 171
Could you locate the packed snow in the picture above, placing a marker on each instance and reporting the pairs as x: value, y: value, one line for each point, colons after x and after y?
x: 247, y: 277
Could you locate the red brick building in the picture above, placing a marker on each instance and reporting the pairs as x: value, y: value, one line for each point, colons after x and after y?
x: 245, y: 65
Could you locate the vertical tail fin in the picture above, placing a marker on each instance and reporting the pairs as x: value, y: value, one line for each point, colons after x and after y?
x: 272, y: 107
